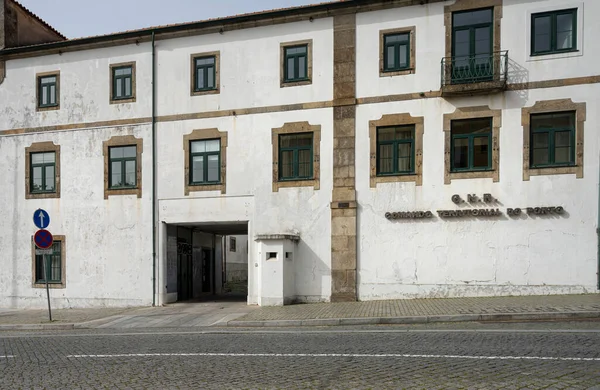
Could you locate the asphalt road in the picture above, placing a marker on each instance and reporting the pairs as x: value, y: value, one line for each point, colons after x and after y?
x: 504, y: 356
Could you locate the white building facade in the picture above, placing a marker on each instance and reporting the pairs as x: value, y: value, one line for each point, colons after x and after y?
x: 368, y: 150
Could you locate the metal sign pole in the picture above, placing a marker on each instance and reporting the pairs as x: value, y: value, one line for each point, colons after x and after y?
x: 47, y: 273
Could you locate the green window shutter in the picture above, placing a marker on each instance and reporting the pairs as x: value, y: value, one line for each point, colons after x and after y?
x: 396, y: 150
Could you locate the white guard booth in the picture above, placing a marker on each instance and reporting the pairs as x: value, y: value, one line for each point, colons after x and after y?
x: 276, y: 281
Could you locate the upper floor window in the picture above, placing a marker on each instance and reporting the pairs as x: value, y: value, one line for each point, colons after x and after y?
x: 296, y: 63
x: 122, y: 167
x: 205, y: 156
x: 43, y: 172
x: 48, y: 91
x: 396, y: 55
x: 552, y: 139
x: 472, y: 46
x: 205, y: 73
x: 295, y: 156
x: 396, y: 150
x: 554, y: 32
x: 123, y: 83
x: 471, y: 145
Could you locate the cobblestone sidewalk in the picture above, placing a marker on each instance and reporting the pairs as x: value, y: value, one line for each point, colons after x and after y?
x: 429, y: 307
x: 13, y: 317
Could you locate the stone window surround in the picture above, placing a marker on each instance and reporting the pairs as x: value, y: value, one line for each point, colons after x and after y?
x: 133, y: 83
x: 397, y: 120
x: 554, y: 106
x: 466, y: 5
x: 473, y: 113
x: 412, y: 52
x: 199, y: 135
x: 123, y: 140
x: 309, y: 63
x: 37, y: 147
x: 217, y: 90
x: 63, y: 265
x: 291, y: 128
x: 55, y: 73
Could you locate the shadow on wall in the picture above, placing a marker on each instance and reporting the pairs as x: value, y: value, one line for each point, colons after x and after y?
x: 517, y: 74
x: 309, y: 273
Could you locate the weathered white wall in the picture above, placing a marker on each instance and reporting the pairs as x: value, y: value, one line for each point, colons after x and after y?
x: 84, y: 88
x: 236, y: 262
x: 108, y: 242
x: 459, y: 257
x: 430, y: 45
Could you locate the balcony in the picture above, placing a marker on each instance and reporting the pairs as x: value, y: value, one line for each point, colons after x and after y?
x: 473, y: 75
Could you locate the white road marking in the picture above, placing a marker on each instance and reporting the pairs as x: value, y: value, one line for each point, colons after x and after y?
x: 6, y: 357
x: 354, y: 355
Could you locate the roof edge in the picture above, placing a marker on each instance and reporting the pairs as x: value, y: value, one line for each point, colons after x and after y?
x: 44, y: 23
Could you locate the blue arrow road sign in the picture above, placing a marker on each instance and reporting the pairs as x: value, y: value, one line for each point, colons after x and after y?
x: 41, y: 219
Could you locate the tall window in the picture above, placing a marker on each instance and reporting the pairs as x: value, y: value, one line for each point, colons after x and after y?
x: 554, y: 32
x: 552, y: 139
x: 396, y: 55
x: 122, y: 82
x: 204, y: 74
x: 295, y: 156
x: 471, y: 146
x: 47, y: 91
x: 205, y: 156
x: 296, y: 63
x: 122, y: 167
x: 472, y: 33
x: 52, y: 266
x: 43, y: 172
x: 395, y: 150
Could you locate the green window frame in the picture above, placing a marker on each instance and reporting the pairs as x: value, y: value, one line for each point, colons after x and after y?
x: 122, y: 167
x: 56, y: 265
x: 205, y: 73
x: 296, y: 156
x: 396, y: 52
x: 395, y: 150
x: 472, y: 58
x: 205, y: 161
x: 47, y: 91
x: 296, y: 63
x: 42, y: 173
x: 122, y: 82
x: 553, y: 31
x: 471, y: 144
x: 552, y: 142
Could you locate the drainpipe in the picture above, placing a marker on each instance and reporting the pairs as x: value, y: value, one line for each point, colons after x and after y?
x: 154, y: 191
x: 598, y: 227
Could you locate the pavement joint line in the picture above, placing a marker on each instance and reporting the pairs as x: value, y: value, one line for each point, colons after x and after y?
x: 353, y: 355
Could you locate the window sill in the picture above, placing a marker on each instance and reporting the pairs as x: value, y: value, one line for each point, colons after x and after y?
x: 198, y: 187
x: 39, y: 284
x: 42, y: 195
x: 122, y: 100
x: 295, y: 83
x: 395, y: 178
x: 48, y: 108
x: 122, y: 191
x: 200, y: 92
x: 288, y: 183
x: 555, y: 170
x: 554, y: 55
x: 399, y: 72
x: 472, y: 174
x: 395, y: 174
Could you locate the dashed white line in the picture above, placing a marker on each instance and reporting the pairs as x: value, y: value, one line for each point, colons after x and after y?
x: 353, y: 355
x: 6, y: 357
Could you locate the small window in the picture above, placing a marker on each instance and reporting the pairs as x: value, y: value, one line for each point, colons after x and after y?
x: 232, y: 244
x: 52, y: 266
x: 396, y: 55
x: 122, y: 82
x: 295, y: 156
x: 396, y: 150
x: 122, y: 167
x: 296, y: 63
x: 205, y: 157
x: 552, y: 139
x: 271, y: 255
x: 554, y: 32
x: 48, y: 91
x: 43, y: 172
x: 471, y: 144
x: 205, y: 73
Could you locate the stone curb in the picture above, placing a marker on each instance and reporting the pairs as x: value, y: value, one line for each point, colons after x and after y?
x: 63, y: 326
x: 418, y: 319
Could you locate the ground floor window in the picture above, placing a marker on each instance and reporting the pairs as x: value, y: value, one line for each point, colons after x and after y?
x: 50, y: 265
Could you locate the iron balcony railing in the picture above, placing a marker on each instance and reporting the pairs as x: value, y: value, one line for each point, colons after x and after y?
x: 477, y: 68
